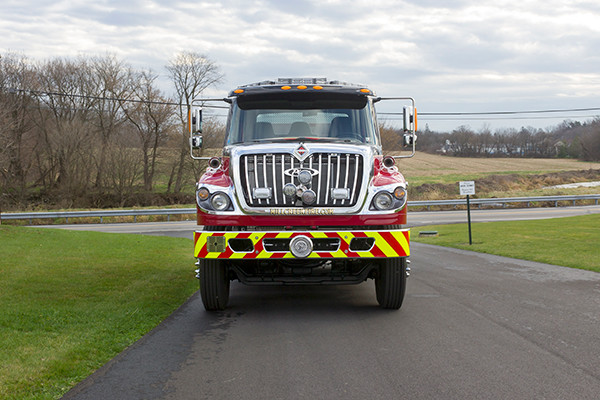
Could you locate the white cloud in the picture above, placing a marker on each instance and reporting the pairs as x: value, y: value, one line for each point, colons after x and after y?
x: 461, y: 55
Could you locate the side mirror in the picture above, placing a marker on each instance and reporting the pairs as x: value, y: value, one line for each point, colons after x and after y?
x: 196, y: 141
x: 197, y: 120
x: 408, y: 119
x: 409, y: 139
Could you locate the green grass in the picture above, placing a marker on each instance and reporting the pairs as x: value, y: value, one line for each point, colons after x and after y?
x: 571, y: 242
x: 71, y: 301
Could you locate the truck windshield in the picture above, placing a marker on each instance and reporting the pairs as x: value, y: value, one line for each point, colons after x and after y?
x: 285, y: 117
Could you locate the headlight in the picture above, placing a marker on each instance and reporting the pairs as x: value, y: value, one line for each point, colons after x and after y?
x: 220, y: 201
x: 383, y: 201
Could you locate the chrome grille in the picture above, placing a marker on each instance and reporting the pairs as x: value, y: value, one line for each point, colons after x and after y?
x: 273, y: 171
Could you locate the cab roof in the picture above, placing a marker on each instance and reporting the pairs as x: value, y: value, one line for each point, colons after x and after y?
x: 291, y: 85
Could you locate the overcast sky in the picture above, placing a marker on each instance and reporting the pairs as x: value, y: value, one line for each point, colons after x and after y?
x: 451, y: 56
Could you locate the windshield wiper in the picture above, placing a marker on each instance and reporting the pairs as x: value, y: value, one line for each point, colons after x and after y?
x: 304, y: 139
x: 298, y: 139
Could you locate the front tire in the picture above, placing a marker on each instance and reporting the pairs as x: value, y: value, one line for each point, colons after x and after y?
x: 214, y: 285
x: 390, y: 283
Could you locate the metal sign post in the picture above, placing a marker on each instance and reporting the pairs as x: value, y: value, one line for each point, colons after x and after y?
x: 469, y: 219
x: 468, y: 188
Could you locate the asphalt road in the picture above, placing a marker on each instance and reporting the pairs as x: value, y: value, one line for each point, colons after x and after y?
x: 415, y: 219
x: 472, y: 326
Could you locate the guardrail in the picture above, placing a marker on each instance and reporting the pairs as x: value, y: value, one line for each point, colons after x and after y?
x: 99, y: 213
x: 506, y: 200
x: 183, y: 211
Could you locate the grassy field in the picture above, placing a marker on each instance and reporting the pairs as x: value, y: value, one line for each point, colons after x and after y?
x: 433, y: 177
x: 430, y: 168
x: 73, y: 300
x: 571, y: 242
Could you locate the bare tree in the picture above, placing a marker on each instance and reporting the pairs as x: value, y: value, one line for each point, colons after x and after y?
x: 66, y: 155
x: 462, y: 141
x: 590, y: 141
x: 125, y: 169
x: 191, y: 73
x: 152, y: 118
x: 109, y: 81
x: 16, y: 127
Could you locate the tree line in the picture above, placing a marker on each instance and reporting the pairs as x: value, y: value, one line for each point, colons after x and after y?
x: 96, y: 132
x: 570, y: 139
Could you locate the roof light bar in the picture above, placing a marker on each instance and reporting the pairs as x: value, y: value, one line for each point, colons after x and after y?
x: 302, y: 81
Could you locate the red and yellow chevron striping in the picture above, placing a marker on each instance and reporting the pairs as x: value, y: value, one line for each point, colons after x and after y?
x: 273, y: 245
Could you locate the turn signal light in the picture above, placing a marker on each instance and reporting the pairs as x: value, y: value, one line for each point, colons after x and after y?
x: 399, y: 193
x: 202, y: 194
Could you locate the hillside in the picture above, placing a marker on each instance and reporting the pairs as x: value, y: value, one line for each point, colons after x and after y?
x: 429, y: 165
x: 436, y: 177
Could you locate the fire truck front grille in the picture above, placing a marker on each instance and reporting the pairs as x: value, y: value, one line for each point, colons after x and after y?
x: 336, y: 179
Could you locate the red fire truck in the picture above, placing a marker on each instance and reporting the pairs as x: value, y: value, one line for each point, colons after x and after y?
x: 303, y: 192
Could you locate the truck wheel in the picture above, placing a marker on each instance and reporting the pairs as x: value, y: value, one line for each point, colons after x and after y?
x: 214, y: 285
x: 390, y: 283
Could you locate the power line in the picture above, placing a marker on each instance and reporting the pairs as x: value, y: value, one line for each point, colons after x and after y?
x: 81, y: 96
x: 495, y: 119
x: 501, y: 112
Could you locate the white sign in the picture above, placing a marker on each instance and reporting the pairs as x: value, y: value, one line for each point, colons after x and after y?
x: 467, y: 187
